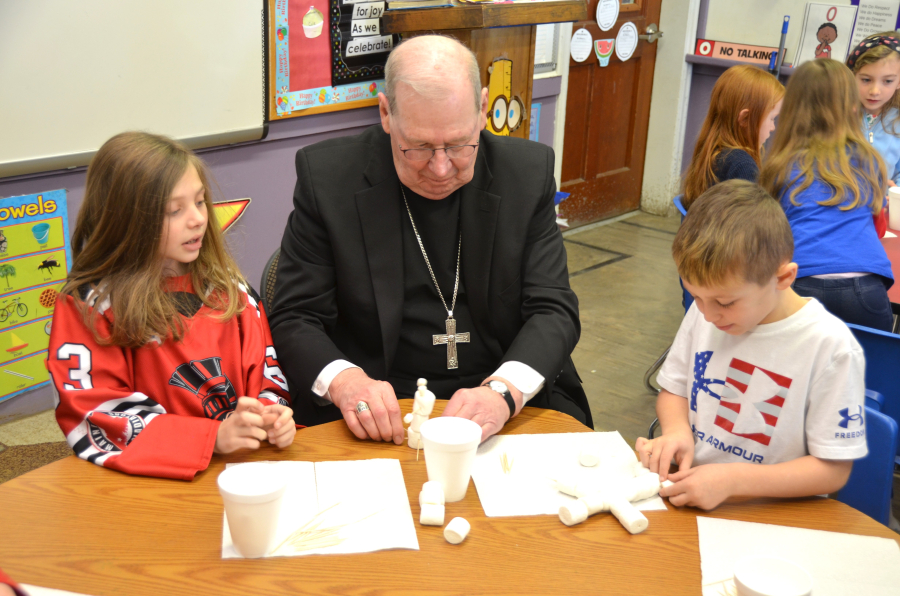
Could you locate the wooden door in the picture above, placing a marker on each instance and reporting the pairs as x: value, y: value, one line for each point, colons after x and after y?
x: 607, y: 112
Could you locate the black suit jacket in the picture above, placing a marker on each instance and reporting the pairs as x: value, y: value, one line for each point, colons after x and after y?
x: 339, y: 288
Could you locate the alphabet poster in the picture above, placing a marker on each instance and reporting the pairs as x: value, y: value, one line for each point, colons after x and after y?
x: 35, y: 257
x: 827, y: 30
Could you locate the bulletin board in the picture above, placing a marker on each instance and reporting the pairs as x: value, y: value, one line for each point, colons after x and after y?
x: 324, y: 56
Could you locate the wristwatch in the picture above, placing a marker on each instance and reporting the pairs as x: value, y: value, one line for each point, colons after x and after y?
x: 501, y: 388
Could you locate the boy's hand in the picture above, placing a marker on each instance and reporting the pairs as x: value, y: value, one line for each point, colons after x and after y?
x: 704, y: 486
x: 243, y: 429
x: 278, y: 422
x: 657, y: 454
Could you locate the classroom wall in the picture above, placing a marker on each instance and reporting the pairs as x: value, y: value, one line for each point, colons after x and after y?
x: 262, y: 170
x: 669, y: 106
x: 757, y: 22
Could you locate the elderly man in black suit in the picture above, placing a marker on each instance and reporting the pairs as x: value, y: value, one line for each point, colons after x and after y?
x: 426, y: 247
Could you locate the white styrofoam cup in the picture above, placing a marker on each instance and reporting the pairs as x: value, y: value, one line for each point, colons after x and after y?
x: 252, y: 493
x: 450, y: 446
x: 894, y: 207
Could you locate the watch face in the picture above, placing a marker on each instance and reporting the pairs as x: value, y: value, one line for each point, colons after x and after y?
x: 498, y: 386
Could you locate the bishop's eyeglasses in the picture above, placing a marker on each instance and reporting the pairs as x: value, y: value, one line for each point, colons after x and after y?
x: 454, y: 152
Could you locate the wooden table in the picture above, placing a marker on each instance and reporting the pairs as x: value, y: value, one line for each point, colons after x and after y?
x: 75, y: 526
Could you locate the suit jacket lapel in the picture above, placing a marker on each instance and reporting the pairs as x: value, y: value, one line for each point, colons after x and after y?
x: 478, y: 220
x: 380, y: 216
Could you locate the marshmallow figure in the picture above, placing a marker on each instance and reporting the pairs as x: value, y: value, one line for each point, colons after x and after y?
x: 423, y: 404
x: 616, y: 497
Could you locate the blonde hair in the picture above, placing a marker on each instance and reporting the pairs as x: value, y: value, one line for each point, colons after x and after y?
x: 819, y: 136
x: 734, y: 230
x: 871, y: 56
x: 116, y: 243
x: 739, y: 88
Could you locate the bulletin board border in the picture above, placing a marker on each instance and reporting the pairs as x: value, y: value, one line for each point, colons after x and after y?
x: 270, y: 70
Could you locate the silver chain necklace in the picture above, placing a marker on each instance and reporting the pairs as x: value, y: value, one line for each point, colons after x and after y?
x: 451, y: 338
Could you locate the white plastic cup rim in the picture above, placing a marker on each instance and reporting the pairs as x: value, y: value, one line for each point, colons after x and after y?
x: 255, y: 482
x: 894, y: 192
x: 450, y: 434
x: 770, y: 576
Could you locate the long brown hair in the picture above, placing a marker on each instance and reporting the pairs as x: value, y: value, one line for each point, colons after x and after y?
x: 116, y: 243
x: 819, y: 135
x: 871, y: 56
x: 739, y: 88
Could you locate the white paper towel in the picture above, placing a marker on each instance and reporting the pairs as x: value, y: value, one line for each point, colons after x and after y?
x: 840, y: 564
x: 538, y: 460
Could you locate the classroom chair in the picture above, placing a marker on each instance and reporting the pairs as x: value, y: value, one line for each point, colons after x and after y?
x: 869, y: 487
x: 267, y: 283
x: 882, y: 351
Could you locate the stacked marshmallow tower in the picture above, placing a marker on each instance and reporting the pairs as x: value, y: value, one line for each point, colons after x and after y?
x: 616, y: 497
x: 431, y: 502
x: 423, y: 404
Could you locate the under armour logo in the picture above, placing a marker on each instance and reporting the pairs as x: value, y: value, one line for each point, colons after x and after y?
x: 847, y: 417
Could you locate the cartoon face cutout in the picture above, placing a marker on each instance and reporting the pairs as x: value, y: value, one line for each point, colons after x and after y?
x: 827, y: 33
x: 506, y: 113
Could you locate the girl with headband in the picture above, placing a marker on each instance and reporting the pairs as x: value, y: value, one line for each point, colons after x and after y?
x: 875, y: 63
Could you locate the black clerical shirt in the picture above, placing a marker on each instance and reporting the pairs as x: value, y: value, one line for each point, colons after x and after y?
x: 423, y: 313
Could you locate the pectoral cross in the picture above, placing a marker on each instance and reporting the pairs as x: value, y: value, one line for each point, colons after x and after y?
x: 451, y: 338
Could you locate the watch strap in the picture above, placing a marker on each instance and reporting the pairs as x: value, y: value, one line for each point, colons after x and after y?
x: 507, y: 396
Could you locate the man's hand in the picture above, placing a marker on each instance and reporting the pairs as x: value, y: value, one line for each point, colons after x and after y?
x: 278, y: 422
x: 484, y: 406
x: 381, y: 421
x: 704, y: 486
x: 243, y: 429
x: 657, y: 454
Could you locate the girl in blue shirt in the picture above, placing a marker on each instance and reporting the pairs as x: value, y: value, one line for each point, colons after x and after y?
x: 875, y: 63
x: 830, y: 181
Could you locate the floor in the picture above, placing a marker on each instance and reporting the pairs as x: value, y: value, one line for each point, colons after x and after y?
x: 630, y: 304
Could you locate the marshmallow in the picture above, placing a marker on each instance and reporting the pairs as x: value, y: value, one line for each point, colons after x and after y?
x: 408, y: 418
x: 422, y: 383
x: 638, y: 469
x: 632, y: 519
x: 589, y: 456
x: 415, y: 440
x: 578, y: 511
x: 432, y: 494
x: 416, y: 424
x: 641, y: 487
x: 432, y: 515
x: 457, y: 530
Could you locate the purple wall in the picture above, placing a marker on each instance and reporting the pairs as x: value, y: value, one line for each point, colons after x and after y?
x: 705, y: 73
x: 262, y: 170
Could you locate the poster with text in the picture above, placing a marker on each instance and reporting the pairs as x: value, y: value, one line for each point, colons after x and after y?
x: 826, y: 33
x: 307, y: 34
x: 35, y: 257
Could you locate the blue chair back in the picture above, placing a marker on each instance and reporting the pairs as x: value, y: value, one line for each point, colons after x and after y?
x: 882, y: 351
x: 686, y: 298
x: 679, y: 206
x: 869, y: 487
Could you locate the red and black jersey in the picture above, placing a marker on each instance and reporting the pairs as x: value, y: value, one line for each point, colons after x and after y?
x: 155, y: 410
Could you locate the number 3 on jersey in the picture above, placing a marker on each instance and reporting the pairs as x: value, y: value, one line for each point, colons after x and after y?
x: 81, y: 374
x: 272, y: 371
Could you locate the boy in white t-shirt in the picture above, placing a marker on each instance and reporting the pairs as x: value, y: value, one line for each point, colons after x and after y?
x: 757, y: 374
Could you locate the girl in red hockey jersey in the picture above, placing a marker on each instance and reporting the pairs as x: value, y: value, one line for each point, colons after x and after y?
x: 160, y: 352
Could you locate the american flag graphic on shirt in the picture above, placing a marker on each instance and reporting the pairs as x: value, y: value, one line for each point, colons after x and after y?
x: 742, y: 391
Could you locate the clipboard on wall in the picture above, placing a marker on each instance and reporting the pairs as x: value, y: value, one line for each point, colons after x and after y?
x: 324, y: 56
